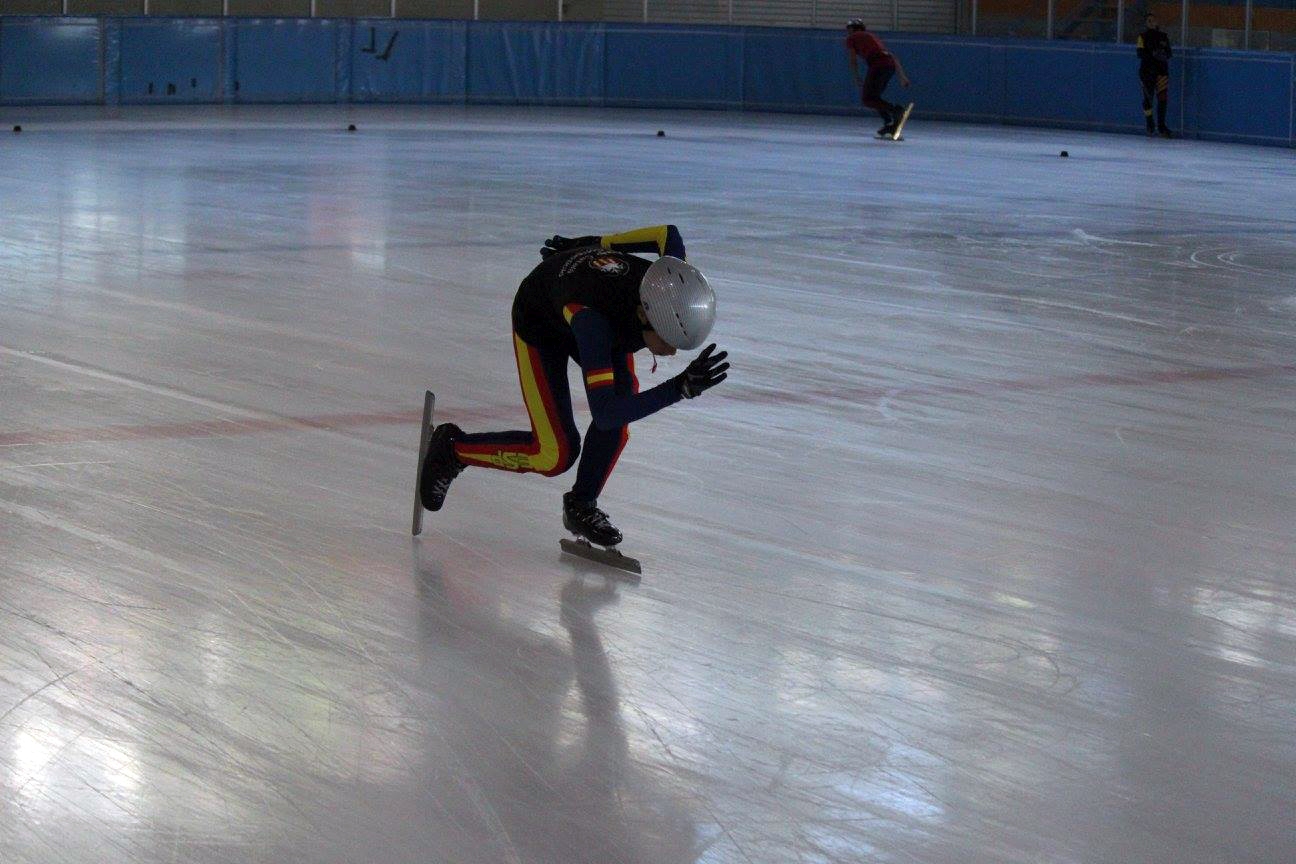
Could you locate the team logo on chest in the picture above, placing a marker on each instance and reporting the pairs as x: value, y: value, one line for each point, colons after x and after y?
x: 609, y: 265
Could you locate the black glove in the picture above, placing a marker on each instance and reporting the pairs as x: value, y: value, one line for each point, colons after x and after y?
x: 703, y: 373
x: 558, y: 243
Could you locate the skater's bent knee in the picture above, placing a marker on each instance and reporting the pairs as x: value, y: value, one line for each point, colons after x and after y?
x: 561, y: 467
x: 565, y: 459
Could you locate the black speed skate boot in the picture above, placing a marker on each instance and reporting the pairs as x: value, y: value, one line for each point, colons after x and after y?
x: 584, y: 519
x: 440, y: 466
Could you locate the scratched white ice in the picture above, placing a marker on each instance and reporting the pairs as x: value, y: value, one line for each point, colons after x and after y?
x: 985, y: 552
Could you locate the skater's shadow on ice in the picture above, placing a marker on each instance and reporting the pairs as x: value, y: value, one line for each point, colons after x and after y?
x: 526, y: 752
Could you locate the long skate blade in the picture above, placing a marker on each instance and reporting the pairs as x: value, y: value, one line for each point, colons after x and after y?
x: 425, y: 434
x: 610, y: 557
x: 904, y: 118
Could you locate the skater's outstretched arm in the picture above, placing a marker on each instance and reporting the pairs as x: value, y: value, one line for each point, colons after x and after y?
x: 612, y: 409
x: 900, y: 71
x: 662, y: 239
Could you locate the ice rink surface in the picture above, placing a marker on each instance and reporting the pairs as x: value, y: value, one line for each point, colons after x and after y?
x: 984, y: 553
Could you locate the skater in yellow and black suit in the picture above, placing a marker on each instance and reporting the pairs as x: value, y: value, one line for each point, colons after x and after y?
x: 1154, y: 74
x: 591, y: 301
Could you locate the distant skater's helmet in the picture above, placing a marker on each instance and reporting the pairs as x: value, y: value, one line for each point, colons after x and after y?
x: 679, y: 302
x: 855, y: 24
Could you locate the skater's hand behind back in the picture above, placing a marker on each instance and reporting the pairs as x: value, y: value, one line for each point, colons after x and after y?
x: 558, y: 243
x: 706, y: 371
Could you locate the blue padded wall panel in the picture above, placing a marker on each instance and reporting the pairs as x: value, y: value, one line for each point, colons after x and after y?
x: 288, y: 60
x: 685, y: 67
x: 1240, y: 95
x: 50, y: 60
x: 1218, y: 94
x: 957, y: 78
x: 1115, y: 94
x: 1184, y: 113
x: 408, y: 61
x: 796, y: 70
x: 170, y: 60
x: 535, y: 63
x: 1047, y: 84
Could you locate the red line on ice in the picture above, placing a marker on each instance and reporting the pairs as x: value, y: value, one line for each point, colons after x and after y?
x: 225, y: 428
x: 252, y: 426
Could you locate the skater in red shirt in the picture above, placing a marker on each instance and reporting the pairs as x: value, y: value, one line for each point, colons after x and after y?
x: 882, y: 65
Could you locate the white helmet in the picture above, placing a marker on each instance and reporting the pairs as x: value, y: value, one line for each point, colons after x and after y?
x: 678, y: 301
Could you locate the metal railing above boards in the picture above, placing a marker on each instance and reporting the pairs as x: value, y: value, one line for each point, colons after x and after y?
x: 912, y: 16
x: 485, y: 10
x: 1264, y: 25
x: 1257, y: 25
x: 920, y: 16
x: 916, y: 16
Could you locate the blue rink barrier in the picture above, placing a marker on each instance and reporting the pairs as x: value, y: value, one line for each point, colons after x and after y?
x: 1216, y: 94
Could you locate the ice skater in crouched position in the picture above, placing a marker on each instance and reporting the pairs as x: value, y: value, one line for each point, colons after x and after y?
x: 591, y: 301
